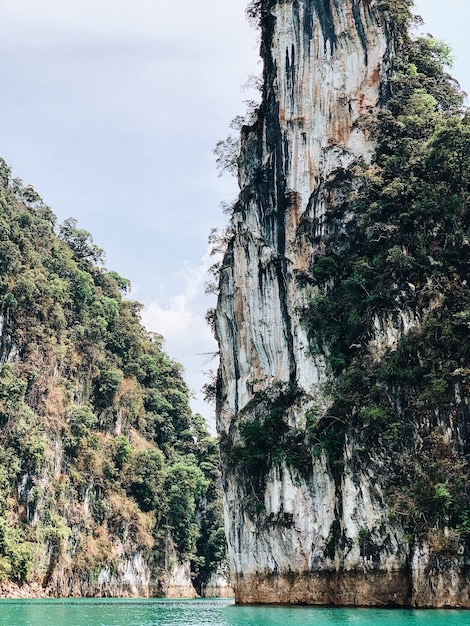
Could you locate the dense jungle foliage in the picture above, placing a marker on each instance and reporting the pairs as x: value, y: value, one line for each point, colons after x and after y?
x: 100, y: 456
x: 396, y: 256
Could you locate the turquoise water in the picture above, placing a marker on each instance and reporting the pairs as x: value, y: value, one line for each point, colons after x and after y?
x: 98, y: 612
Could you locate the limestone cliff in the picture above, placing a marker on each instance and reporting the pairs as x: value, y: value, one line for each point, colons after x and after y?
x: 321, y: 476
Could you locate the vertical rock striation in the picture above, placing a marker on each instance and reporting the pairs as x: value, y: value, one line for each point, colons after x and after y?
x: 325, y: 65
x: 301, y: 528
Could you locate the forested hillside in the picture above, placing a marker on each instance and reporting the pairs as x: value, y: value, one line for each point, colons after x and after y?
x: 397, y: 256
x: 108, y: 482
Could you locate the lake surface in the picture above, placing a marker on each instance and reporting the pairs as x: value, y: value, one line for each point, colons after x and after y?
x: 112, y: 612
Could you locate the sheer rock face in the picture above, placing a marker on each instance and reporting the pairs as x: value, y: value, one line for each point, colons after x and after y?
x: 300, y: 537
x: 325, y: 65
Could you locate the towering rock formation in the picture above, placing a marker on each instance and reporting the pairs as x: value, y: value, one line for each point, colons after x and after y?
x: 310, y: 520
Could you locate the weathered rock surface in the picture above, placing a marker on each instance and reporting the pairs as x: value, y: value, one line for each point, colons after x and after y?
x: 298, y: 535
x: 218, y: 586
x: 324, y: 68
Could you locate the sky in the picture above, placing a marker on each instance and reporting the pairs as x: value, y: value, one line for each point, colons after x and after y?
x: 111, y: 110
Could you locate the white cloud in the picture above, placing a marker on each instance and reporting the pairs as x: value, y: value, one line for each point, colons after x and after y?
x: 188, y: 338
x: 184, y: 309
x: 171, y: 322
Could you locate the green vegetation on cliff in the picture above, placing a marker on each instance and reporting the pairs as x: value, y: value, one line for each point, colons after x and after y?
x: 101, y: 461
x: 396, y: 255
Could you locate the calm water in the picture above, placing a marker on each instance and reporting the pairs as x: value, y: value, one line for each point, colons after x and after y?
x: 207, y: 613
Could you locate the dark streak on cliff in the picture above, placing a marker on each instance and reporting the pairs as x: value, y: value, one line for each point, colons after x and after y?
x: 360, y: 27
x: 325, y: 15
